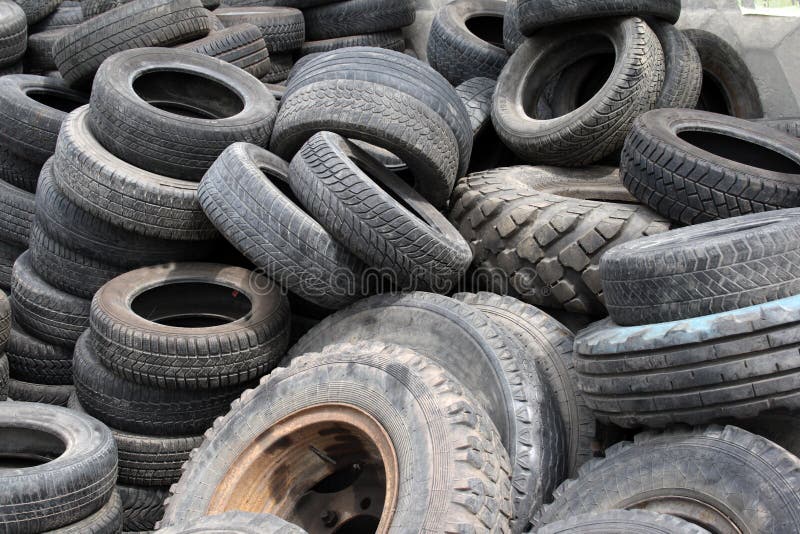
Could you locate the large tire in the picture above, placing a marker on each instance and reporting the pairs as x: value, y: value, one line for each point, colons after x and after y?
x: 142, y: 507
x: 695, y: 166
x: 236, y: 523
x: 391, y: 40
x: 76, y: 482
x: 530, y: 226
x: 549, y: 346
x: 139, y: 24
x: 683, y: 76
x: 379, y: 217
x: 466, y: 40
x: 13, y: 33
x: 536, y: 14
x: 480, y: 356
x: 250, y: 208
x: 730, y: 480
x: 704, y: 269
x: 728, y: 85
x: 39, y: 393
x: 283, y: 28
x: 46, y: 312
x: 215, y: 325
x: 733, y: 364
x: 457, y: 457
x: 241, y: 45
x: 354, y: 17
x: 598, y: 127
x: 122, y: 194
x: 17, y: 208
x: 627, y: 521
x: 32, y: 360
x: 202, y: 106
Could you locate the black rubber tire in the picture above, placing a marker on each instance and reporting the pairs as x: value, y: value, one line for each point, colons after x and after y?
x: 36, y: 10
x: 17, y: 208
x: 141, y: 409
x: 627, y: 521
x: 150, y: 461
x: 39, y: 393
x: 33, y: 360
x: 679, y: 163
x: 78, y: 480
x: 161, y: 141
x: 39, y: 53
x: 377, y: 216
x: 480, y: 356
x: 388, y: 383
x: 18, y: 171
x: 789, y: 125
x: 3, y: 377
x: 704, y: 269
x: 46, y: 312
x: 683, y: 76
x: 245, y: 195
x: 598, y: 127
x: 548, y: 346
x: 92, y: 8
x: 536, y: 14
x: 697, y: 461
x: 512, y: 37
x: 477, y: 94
x: 728, y: 84
x: 531, y: 226
x: 354, y: 17
x: 391, y: 40
x: 8, y: 255
x: 107, y: 520
x: 246, y: 346
x: 236, y: 523
x: 66, y: 269
x: 142, y: 507
x: 13, y: 33
x: 283, y: 28
x: 139, y: 24
x: 241, y: 45
x: 16, y: 68
x: 65, y: 16
x: 456, y: 51
x: 122, y: 194
x: 5, y: 320
x: 280, y: 65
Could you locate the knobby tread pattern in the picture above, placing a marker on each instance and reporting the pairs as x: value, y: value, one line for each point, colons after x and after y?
x: 536, y: 14
x: 142, y: 507
x: 477, y: 93
x: 241, y: 45
x: 355, y: 17
x: 546, y: 247
x: 56, y: 395
x: 683, y: 76
x: 282, y: 28
x: 391, y: 40
x: 17, y: 209
x: 33, y: 360
x: 13, y: 33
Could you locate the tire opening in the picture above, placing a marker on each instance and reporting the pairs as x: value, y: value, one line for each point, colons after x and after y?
x: 27, y: 447
x: 187, y: 95
x: 712, y: 96
x: 191, y: 304
x: 59, y: 101
x: 488, y: 28
x: 740, y: 151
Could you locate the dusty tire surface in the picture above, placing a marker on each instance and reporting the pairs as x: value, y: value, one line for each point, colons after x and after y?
x: 3, y: 377
x: 17, y: 208
x: 629, y: 521
x: 107, y: 520
x: 236, y: 523
x: 354, y: 17
x: 683, y: 71
x: 5, y: 320
x: 39, y: 393
x: 13, y: 33
x: 536, y: 14
x: 391, y: 40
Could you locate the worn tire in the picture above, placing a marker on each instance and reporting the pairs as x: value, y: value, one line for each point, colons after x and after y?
x: 354, y: 17
x: 45, y: 311
x: 39, y: 53
x: 122, y: 194
x: 78, y: 480
x: 512, y: 37
x: 36, y: 10
x: 530, y: 226
x: 3, y: 377
x: 536, y: 14
x: 789, y: 125
x: 8, y: 255
x: 703, y: 269
x: 480, y: 356
x: 107, y: 520
x: 35, y: 361
x: 280, y: 65
x: 728, y: 85
x: 391, y: 40
x: 376, y: 215
x: 65, y: 16
x: 477, y: 94
x: 139, y: 24
x: 388, y: 383
x: 39, y: 393
x: 241, y: 45
x: 249, y: 207
x: 683, y: 71
x: 17, y: 208
x: 283, y: 28
x: 695, y: 166
x: 628, y: 521
x: 13, y: 33
x: 5, y: 320
x: 142, y: 507
x: 18, y: 171
x: 767, y: 479
x: 236, y: 523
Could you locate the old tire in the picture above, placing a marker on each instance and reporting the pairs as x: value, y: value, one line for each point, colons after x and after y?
x: 17, y: 209
x: 13, y: 33
x: 279, y: 67
x: 35, y: 361
x: 18, y: 171
x: 3, y: 377
x: 241, y: 45
x: 512, y: 37
x: 107, y: 520
x: 39, y: 393
x: 354, y: 17
x: 391, y: 40
x: 789, y: 125
x: 142, y: 507
x: 683, y: 71
x: 282, y: 28
x: 236, y: 523
x: 628, y: 521
x: 5, y: 320
x: 536, y: 14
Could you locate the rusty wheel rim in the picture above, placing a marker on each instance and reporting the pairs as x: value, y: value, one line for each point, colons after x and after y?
x: 330, y: 469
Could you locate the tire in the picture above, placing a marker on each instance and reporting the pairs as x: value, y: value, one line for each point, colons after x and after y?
x: 92, y: 8
x: 236, y: 523
x: 512, y: 37
x: 134, y: 25
x: 480, y: 356
x: 18, y: 171
x: 606, y: 118
x: 5, y: 321
x: 535, y: 237
x: 13, y: 33
x: 704, y: 269
x: 629, y: 521
x: 16, y: 215
x: 232, y: 106
x: 251, y: 209
x: 8, y: 255
x: 674, y: 161
x: 67, y: 270
x: 107, y: 520
x: 536, y: 14
x: 79, y: 478
x: 16, y: 68
x: 683, y: 76
x: 243, y: 340
x: 3, y: 377
x: 39, y: 53
x: 241, y: 45
x: 39, y: 393
x: 139, y: 409
x: 728, y: 85
x: 279, y: 67
x: 790, y: 126
x: 150, y: 461
x: 476, y: 94
x: 36, y: 10
x: 697, y: 461
x: 390, y: 40
x: 283, y: 28
x: 65, y: 16
x: 376, y: 215
x: 354, y: 17
x: 124, y: 195
x: 35, y: 361
x: 460, y: 51
x: 386, y: 384
x: 142, y: 507
x: 548, y: 345
x: 48, y: 313
x: 692, y: 371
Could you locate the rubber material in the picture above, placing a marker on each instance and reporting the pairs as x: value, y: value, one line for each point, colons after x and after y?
x: 391, y: 40
x: 36, y: 10
x: 33, y: 360
x: 5, y: 320
x: 17, y: 208
x: 8, y: 255
x: 536, y: 14
x: 142, y: 507
x: 283, y: 28
x: 236, y: 523
x: 683, y: 76
x: 628, y: 521
x: 18, y: 171
x: 3, y: 377
x: 13, y: 33
x: 107, y: 520
x: 279, y: 67
x: 354, y: 17
x: 39, y: 393
x: 65, y: 16
x: 241, y: 45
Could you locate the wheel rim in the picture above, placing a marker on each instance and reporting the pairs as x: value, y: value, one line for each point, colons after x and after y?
x: 702, y: 513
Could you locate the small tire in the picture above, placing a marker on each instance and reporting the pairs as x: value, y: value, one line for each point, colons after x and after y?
x: 390, y: 40
x: 236, y: 523
x: 13, y: 33
x: 683, y: 71
x: 354, y: 17
x: 142, y: 507
x: 17, y: 209
x: 241, y: 45
x: 628, y: 521
x: 35, y: 361
x: 536, y: 14
x: 39, y: 393
x: 283, y: 28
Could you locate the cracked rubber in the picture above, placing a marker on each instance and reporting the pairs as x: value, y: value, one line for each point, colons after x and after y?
x: 354, y: 17
x: 241, y: 45
x: 536, y: 14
